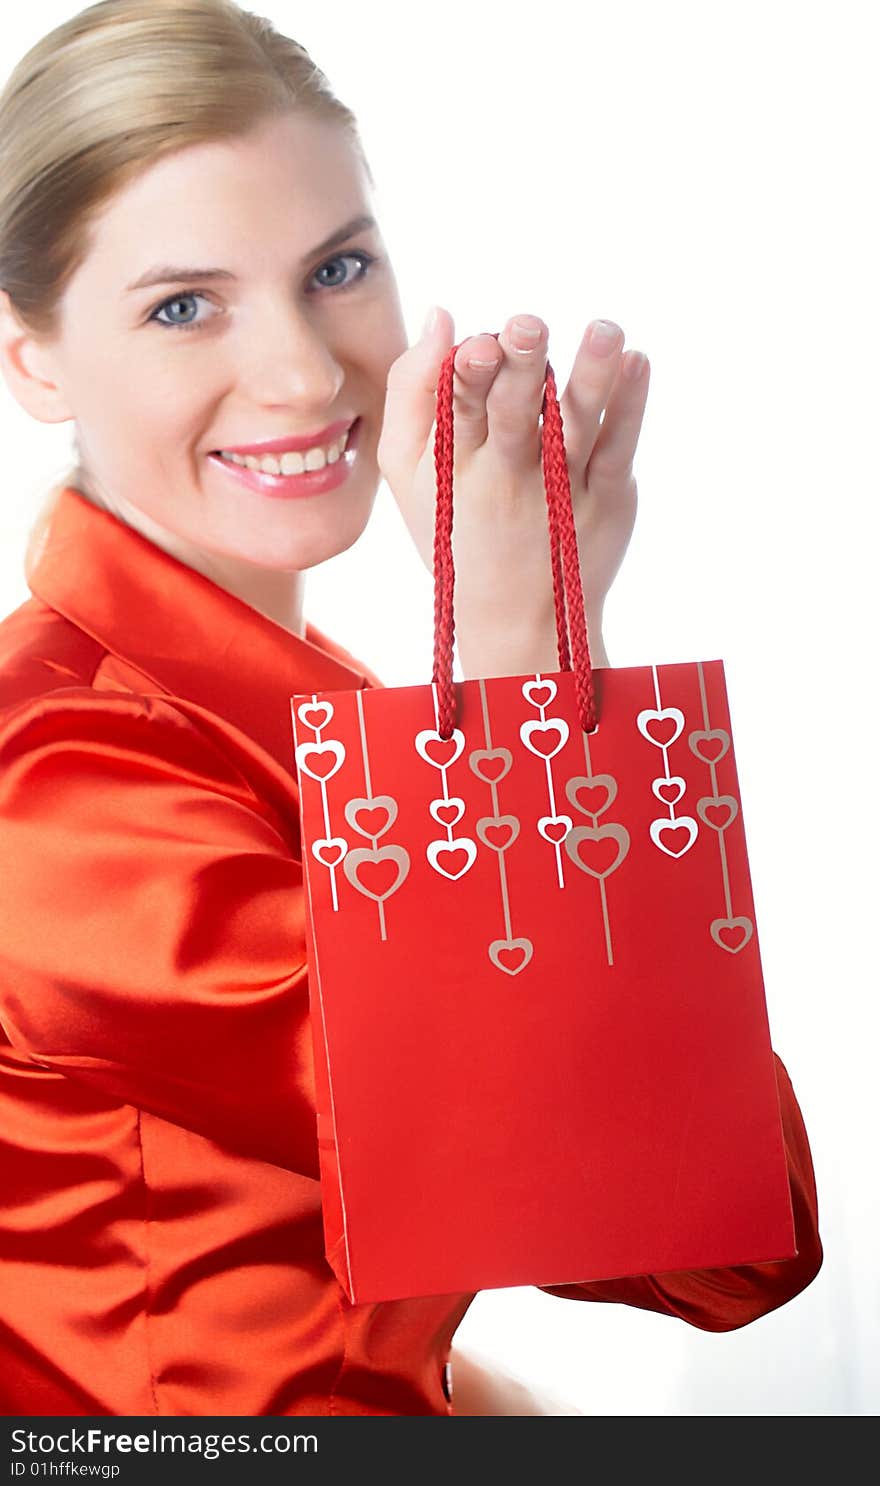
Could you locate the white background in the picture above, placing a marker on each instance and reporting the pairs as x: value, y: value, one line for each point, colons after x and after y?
x: 706, y: 175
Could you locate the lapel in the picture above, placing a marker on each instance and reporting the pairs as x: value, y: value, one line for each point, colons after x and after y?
x: 184, y: 632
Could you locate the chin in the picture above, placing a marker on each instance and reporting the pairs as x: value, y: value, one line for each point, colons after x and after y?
x: 304, y: 551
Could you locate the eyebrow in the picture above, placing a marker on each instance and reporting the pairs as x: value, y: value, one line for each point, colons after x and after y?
x: 165, y: 273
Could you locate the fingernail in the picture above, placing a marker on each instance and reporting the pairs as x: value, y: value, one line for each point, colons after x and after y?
x: 635, y: 365
x: 527, y: 331
x: 603, y: 336
x: 430, y: 324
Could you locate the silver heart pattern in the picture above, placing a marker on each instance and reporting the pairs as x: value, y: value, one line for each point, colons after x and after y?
x: 498, y: 832
x: 592, y: 794
x: 545, y: 737
x: 710, y: 745
x: 450, y: 856
x: 376, y: 872
x: 371, y: 817
x: 320, y: 760
x: 662, y: 726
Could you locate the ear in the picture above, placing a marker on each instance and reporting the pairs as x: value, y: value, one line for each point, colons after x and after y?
x: 29, y: 369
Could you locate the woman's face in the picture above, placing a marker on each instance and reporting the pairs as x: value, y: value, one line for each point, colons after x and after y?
x: 287, y: 338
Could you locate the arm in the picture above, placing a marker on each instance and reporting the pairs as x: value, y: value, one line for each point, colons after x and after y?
x: 489, y: 649
x: 724, y: 1299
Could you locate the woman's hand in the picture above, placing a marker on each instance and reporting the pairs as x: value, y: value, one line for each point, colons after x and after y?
x: 481, y: 1387
x: 503, y: 588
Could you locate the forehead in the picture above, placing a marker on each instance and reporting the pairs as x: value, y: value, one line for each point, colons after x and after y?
x: 289, y: 182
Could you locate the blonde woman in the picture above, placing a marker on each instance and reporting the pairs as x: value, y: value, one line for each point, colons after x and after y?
x: 190, y: 266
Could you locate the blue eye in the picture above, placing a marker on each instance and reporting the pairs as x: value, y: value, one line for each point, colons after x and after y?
x: 366, y: 261
x: 177, y: 299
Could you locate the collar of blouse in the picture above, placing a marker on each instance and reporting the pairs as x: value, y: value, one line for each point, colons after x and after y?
x: 184, y: 632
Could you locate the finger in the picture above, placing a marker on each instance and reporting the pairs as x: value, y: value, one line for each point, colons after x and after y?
x: 476, y: 365
x: 615, y: 447
x: 514, y: 399
x: 589, y: 387
x: 411, y: 399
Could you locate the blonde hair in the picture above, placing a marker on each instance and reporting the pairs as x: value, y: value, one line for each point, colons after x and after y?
x: 98, y: 100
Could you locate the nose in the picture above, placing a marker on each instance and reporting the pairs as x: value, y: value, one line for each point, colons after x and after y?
x: 289, y: 362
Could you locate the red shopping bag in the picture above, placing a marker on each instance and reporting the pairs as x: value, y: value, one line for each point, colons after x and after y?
x: 541, y: 1044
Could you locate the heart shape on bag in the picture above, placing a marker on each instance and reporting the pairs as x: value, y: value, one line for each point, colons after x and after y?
x: 725, y: 807
x: 545, y: 738
x: 441, y: 752
x: 683, y: 830
x: 669, y: 790
x: 660, y: 727
x: 511, y: 955
x: 581, y: 785
x: 330, y: 851
x: 588, y: 847
x: 491, y: 764
x: 554, y: 828
x: 310, y: 712
x: 732, y: 934
x: 459, y: 854
x: 498, y: 831
x: 326, y: 759
x: 377, y: 872
x: 447, y: 812
x: 371, y: 817
x: 709, y: 746
x: 539, y: 693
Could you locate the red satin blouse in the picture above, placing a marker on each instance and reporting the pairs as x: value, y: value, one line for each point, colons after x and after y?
x: 160, y: 1218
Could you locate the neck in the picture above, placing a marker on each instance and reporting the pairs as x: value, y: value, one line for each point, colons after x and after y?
x: 276, y: 594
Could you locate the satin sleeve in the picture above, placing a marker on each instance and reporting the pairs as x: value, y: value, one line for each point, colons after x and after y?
x: 152, y: 931
x: 724, y: 1299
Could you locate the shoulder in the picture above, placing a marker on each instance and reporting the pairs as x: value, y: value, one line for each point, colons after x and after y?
x: 126, y: 730
x: 43, y: 653
x: 116, y: 760
x: 114, y: 799
x: 63, y: 695
x: 41, y: 650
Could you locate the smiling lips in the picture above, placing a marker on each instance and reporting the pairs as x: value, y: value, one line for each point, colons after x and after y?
x: 290, y: 471
x: 323, y: 438
x: 291, y: 462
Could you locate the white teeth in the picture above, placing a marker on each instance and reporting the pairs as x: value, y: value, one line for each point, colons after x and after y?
x: 292, y: 462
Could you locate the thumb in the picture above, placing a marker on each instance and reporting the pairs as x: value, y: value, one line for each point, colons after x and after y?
x: 411, y: 396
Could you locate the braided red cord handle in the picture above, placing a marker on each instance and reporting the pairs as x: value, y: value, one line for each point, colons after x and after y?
x: 568, y: 590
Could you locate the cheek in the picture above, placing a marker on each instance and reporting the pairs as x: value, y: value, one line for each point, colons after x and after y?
x: 115, y: 396
x: 164, y: 410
